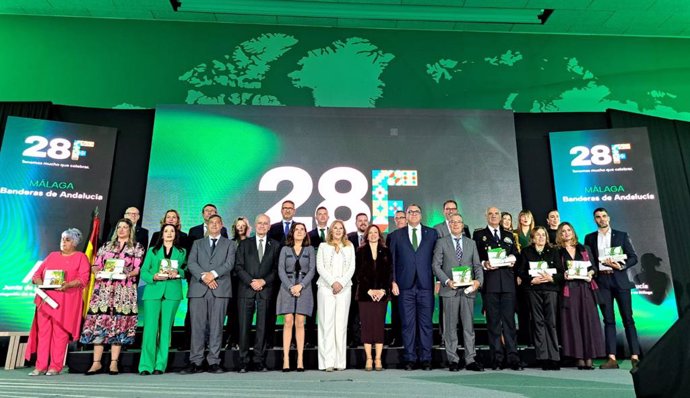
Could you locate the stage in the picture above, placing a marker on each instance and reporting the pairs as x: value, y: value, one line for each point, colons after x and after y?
x: 568, y: 382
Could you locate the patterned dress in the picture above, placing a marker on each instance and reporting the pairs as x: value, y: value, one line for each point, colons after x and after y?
x: 112, y: 313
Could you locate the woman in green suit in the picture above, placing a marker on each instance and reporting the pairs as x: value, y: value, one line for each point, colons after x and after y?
x: 162, y: 271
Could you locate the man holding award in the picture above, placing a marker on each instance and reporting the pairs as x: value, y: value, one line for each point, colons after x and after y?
x: 498, y: 254
x: 614, y: 255
x: 456, y: 265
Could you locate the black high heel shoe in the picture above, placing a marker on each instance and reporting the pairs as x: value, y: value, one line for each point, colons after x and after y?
x: 94, y: 372
x: 114, y: 372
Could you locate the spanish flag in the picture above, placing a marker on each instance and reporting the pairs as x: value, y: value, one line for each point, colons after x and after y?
x: 90, y: 252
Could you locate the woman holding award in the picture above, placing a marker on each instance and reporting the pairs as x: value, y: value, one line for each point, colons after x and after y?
x: 335, y: 263
x: 62, y: 277
x: 542, y: 274
x: 580, y: 324
x: 112, y: 313
x: 374, y: 277
x: 162, y: 271
x: 296, y: 268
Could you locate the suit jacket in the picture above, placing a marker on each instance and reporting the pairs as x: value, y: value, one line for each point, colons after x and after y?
x: 277, y: 232
x: 443, y: 231
x: 445, y: 259
x: 202, y: 260
x: 182, y: 240
x: 501, y: 280
x: 197, y: 232
x: 248, y: 267
x: 353, y: 237
x: 413, y: 268
x: 170, y: 289
x: 373, y: 274
x: 550, y: 255
x: 618, y: 238
x: 315, y: 237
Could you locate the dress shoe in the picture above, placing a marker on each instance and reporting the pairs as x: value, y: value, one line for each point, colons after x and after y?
x: 191, y: 369
x: 409, y: 366
x: 37, y: 372
x: 299, y: 370
x: 111, y: 371
x: 555, y: 365
x: 634, y: 362
x: 157, y: 372
x: 94, y: 372
x: 610, y: 364
x: 453, y: 367
x: 517, y: 365
x: 285, y: 370
x: 261, y: 367
x: 378, y: 366
x: 144, y: 373
x: 215, y: 368
x: 330, y: 369
x: 497, y: 365
x: 426, y: 365
x: 475, y: 367
x: 369, y: 365
x: 242, y: 369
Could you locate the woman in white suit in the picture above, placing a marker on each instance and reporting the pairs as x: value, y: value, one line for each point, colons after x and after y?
x: 335, y: 262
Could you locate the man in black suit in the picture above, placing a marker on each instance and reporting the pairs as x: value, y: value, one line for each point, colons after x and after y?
x: 199, y: 231
x: 256, y: 265
x: 279, y: 230
x: 316, y: 236
x: 450, y: 208
x: 499, y: 291
x: 614, y: 284
x: 354, y: 336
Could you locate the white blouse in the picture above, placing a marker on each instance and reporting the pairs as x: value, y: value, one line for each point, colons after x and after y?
x: 335, y: 267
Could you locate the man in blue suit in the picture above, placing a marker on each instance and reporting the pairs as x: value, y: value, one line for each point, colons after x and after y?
x: 614, y: 284
x: 412, y: 250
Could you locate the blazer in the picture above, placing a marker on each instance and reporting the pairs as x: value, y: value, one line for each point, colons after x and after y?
x: 201, y: 260
x: 413, y: 268
x: 277, y: 232
x: 618, y: 238
x: 328, y: 273
x: 373, y: 274
x: 501, y: 280
x: 182, y: 240
x: 445, y: 259
x: 443, y: 231
x: 248, y: 267
x: 315, y: 237
x: 582, y: 253
x: 197, y: 232
x: 550, y: 256
x: 170, y: 289
x: 353, y: 237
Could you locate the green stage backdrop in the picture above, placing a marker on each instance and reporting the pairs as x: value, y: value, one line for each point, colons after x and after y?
x: 126, y: 63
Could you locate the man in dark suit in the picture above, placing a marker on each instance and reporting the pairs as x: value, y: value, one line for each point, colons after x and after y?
x: 453, y: 251
x: 412, y: 250
x: 199, y: 231
x: 257, y: 270
x: 614, y: 284
x: 450, y: 207
x: 354, y: 337
x: 279, y: 230
x: 499, y: 291
x: 210, y: 262
x: 316, y: 236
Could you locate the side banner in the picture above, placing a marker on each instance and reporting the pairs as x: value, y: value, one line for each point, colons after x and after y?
x: 614, y: 169
x: 53, y: 175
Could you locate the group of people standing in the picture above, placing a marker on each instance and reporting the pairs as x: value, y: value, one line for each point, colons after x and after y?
x: 346, y: 281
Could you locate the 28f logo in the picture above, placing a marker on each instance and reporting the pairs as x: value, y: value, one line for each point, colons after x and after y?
x: 599, y: 155
x: 58, y: 148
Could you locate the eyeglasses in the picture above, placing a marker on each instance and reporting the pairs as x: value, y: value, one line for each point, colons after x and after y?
x: 400, y: 217
x: 414, y: 212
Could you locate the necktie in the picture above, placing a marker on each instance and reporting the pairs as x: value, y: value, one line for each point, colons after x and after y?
x: 415, y: 243
x: 496, y: 236
x: 361, y: 239
x: 323, y: 235
x: 287, y: 228
x: 261, y: 249
x: 458, y: 249
x: 213, y: 245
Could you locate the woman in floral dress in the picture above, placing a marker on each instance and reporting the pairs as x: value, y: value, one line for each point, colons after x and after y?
x: 112, y: 313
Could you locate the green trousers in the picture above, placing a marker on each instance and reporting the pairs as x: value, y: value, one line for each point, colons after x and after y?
x: 159, y: 316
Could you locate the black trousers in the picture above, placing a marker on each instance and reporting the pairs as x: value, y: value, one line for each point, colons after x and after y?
x: 246, y: 308
x: 544, y: 306
x: 500, y: 319
x: 608, y: 292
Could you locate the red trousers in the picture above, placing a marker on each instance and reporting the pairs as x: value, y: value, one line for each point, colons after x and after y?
x: 52, y: 343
